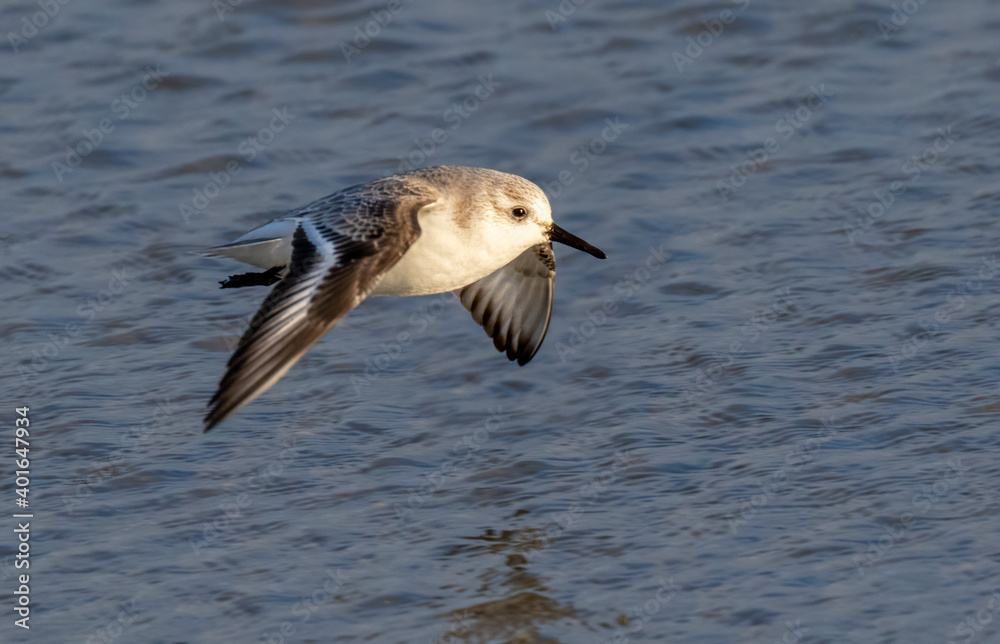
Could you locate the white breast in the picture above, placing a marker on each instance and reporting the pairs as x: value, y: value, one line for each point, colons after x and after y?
x: 446, y: 257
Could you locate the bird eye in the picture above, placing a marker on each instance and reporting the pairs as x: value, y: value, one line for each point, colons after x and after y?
x: 518, y: 212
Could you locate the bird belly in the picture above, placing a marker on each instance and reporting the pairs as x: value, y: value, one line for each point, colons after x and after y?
x: 443, y: 258
x: 422, y: 271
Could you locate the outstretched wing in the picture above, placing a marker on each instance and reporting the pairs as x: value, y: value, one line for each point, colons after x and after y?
x: 341, y: 247
x: 514, y: 304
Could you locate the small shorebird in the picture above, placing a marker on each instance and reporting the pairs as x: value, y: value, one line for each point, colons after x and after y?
x: 485, y: 235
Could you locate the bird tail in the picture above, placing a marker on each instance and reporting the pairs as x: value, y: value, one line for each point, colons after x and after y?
x: 264, y: 247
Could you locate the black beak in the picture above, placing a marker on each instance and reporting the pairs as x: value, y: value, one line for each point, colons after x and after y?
x: 557, y: 234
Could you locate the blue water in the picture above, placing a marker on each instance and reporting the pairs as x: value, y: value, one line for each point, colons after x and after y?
x: 769, y: 415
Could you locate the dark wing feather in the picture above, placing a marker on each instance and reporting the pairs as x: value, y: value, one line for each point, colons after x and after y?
x: 514, y: 304
x: 341, y: 247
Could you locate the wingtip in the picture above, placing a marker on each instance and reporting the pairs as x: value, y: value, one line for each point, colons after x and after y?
x: 215, y: 415
x: 524, y: 354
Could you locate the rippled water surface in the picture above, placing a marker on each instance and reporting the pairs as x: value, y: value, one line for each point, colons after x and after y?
x: 769, y: 415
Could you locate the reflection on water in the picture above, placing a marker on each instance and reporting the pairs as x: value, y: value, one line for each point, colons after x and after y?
x: 524, y: 606
x: 768, y: 416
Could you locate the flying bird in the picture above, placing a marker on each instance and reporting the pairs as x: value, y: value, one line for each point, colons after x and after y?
x: 484, y: 235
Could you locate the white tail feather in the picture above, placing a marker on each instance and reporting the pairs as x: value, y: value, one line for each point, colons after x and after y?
x: 264, y: 247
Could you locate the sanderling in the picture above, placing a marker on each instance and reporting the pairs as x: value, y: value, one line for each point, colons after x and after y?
x: 485, y: 235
